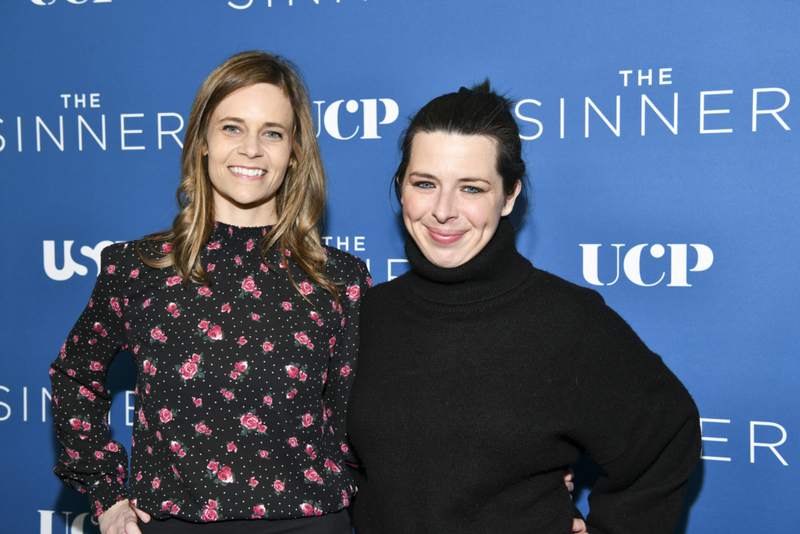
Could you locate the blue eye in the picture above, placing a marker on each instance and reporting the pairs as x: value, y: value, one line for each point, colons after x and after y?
x: 230, y: 128
x: 274, y: 135
x: 472, y: 190
x: 424, y: 185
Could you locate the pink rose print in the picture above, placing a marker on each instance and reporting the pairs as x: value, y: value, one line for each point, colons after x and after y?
x: 75, y: 424
x: 227, y: 394
x: 201, y: 428
x: 111, y: 447
x: 278, y: 485
x: 267, y: 400
x: 287, y: 306
x: 111, y: 269
x: 344, y: 371
x: 353, y: 292
x: 96, y: 366
x: 145, y: 304
x: 226, y: 308
x: 306, y: 288
x: 250, y: 245
x: 292, y: 371
x: 263, y: 454
x: 302, y: 376
x: 264, y: 268
x: 204, y: 291
x: 165, y: 415
x: 241, y: 366
x: 259, y: 510
x: 249, y: 284
x: 241, y: 341
x: 134, y: 273
x: 166, y: 248
x: 293, y: 442
x: 175, y: 509
x: 309, y: 449
x: 84, y: 392
x: 301, y: 338
x: 225, y: 475
x: 311, y: 475
x: 369, y: 282
x: 210, y: 267
x: 204, y: 326
x: 267, y: 347
x: 232, y: 447
x: 253, y: 482
x: 171, y: 307
x: 98, y: 455
x: 308, y: 420
x: 255, y: 317
x: 308, y: 509
x: 234, y: 375
x: 156, y: 483
x: 174, y: 280
x: 166, y: 505
x: 175, y: 446
x: 214, y: 246
x: 215, y: 332
x: 237, y: 260
x: 213, y: 466
x: 158, y: 335
x: 209, y: 514
x: 197, y: 402
x: 291, y: 393
x: 188, y: 370
x: 249, y: 421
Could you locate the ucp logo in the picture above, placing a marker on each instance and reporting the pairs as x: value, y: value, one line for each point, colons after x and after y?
x: 633, y: 261
x: 51, y: 2
x: 369, y: 110
x: 70, y: 266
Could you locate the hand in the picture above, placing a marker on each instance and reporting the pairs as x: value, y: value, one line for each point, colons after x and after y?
x: 579, y: 526
x: 121, y: 519
x: 568, y: 476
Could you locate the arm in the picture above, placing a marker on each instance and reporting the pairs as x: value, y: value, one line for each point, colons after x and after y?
x: 344, y: 351
x: 90, y: 461
x: 644, y: 486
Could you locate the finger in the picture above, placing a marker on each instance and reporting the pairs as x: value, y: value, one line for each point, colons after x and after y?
x: 144, y: 516
x: 131, y: 526
x: 568, y: 476
x: 578, y: 525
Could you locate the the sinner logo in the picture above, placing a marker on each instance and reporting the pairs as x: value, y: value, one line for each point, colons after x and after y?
x: 632, y: 264
x: 244, y: 4
x: 51, y: 2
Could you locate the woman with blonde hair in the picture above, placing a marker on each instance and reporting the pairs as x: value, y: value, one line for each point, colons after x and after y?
x: 243, y: 327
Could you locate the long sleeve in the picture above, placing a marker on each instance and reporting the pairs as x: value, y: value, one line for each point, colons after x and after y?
x: 643, y: 489
x: 344, y: 353
x: 90, y: 461
x: 643, y: 429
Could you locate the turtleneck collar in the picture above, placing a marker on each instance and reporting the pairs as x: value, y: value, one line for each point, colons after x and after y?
x: 495, y: 270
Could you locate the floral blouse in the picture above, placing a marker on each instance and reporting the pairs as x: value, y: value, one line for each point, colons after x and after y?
x: 241, y: 391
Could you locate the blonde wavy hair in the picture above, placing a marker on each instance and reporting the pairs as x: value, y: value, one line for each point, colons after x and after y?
x: 300, y: 200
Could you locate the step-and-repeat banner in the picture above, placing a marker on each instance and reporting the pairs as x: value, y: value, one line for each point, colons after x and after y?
x: 662, y: 145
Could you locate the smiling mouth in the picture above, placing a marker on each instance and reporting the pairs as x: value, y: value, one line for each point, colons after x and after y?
x: 246, y: 171
x: 445, y: 238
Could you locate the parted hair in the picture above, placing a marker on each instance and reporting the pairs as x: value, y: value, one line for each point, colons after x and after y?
x: 476, y: 111
x: 300, y: 199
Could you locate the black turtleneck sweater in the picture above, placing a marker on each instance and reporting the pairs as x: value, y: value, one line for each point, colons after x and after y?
x: 478, y: 385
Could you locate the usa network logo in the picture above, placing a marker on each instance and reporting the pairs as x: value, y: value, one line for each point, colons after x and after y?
x: 51, y: 2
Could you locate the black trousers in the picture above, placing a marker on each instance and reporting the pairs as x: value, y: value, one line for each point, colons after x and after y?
x: 335, y: 523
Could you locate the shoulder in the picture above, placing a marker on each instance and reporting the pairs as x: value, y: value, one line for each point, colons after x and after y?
x: 343, y: 267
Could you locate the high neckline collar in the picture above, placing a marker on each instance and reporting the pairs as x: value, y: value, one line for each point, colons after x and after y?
x: 227, y: 231
x: 495, y: 270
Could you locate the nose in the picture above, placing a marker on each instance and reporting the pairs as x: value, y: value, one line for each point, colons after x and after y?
x: 445, y: 208
x: 251, y: 146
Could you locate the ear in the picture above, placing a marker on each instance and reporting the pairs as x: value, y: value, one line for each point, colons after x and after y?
x: 508, y: 207
x: 397, y: 181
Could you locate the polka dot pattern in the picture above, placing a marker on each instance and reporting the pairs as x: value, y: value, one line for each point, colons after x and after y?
x: 241, y: 391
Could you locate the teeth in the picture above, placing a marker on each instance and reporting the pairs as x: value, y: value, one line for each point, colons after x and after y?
x: 248, y: 172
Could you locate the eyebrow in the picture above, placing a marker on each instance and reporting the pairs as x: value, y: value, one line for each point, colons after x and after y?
x: 241, y: 121
x: 460, y: 180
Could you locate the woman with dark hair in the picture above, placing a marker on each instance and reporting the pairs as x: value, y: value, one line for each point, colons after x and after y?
x: 243, y: 327
x: 481, y: 378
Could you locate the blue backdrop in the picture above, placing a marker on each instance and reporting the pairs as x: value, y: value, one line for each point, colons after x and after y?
x: 662, y: 149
